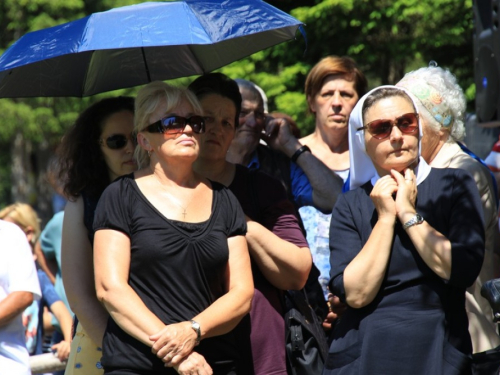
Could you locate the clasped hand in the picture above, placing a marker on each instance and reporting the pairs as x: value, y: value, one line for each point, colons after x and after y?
x: 394, y: 195
x: 173, y: 343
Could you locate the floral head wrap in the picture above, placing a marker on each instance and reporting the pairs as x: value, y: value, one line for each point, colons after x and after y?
x: 430, y: 98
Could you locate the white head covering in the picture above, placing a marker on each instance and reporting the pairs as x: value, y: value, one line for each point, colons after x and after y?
x: 362, y: 169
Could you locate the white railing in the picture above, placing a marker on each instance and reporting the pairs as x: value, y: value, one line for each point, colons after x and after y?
x: 47, y: 362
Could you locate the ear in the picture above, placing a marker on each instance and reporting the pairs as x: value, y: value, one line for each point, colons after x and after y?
x: 310, y: 103
x: 143, y: 142
x: 29, y: 233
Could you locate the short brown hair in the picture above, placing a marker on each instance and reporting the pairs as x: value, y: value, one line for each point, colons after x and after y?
x: 335, y: 65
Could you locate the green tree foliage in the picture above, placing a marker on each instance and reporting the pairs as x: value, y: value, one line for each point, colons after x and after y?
x: 386, y: 37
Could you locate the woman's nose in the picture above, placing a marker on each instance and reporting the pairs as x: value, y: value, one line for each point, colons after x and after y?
x: 336, y: 100
x: 396, y: 134
x: 130, y: 146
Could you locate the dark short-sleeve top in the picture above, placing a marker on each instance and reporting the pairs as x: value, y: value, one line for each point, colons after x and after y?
x: 261, y: 334
x: 416, y: 316
x: 176, y: 268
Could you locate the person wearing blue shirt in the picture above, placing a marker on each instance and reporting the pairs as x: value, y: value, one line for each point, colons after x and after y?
x: 306, y: 179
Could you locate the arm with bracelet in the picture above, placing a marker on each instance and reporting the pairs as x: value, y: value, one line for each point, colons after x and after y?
x: 325, y: 184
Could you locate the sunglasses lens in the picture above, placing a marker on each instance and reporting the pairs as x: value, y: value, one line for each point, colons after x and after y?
x: 380, y: 128
x: 408, y: 123
x: 116, y: 142
x: 197, y: 124
x: 173, y: 124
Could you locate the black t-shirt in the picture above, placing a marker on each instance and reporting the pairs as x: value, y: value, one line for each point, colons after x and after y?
x: 176, y: 268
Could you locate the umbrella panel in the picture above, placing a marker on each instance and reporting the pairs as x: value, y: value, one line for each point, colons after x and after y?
x: 92, y: 72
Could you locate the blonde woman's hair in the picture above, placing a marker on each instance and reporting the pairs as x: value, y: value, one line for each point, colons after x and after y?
x: 147, y: 101
x: 24, y: 216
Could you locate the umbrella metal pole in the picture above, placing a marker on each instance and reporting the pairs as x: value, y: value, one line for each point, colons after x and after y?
x: 145, y: 64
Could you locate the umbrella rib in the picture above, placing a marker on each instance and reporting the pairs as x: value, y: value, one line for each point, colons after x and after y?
x: 145, y: 64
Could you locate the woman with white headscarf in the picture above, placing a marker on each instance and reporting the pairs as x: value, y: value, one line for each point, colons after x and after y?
x: 406, y: 242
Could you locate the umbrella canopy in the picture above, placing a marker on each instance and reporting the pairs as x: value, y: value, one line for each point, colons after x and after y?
x: 133, y: 45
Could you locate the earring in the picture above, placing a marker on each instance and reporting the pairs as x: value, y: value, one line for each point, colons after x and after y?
x: 149, y: 153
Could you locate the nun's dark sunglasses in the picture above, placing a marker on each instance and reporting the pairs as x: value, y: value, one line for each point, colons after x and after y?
x: 173, y: 125
x: 381, y: 129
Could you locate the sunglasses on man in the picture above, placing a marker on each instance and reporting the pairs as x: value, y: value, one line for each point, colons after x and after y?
x: 381, y: 129
x: 172, y: 125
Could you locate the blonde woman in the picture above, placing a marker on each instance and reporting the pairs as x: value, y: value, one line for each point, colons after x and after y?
x: 171, y: 260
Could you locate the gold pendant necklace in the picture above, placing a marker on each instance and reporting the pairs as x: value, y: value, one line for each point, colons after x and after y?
x: 184, y: 209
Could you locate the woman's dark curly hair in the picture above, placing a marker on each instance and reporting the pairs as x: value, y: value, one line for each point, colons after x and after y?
x: 82, y: 164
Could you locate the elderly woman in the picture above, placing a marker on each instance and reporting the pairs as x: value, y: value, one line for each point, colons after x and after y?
x: 171, y: 261
x: 407, y: 242
x: 442, y: 107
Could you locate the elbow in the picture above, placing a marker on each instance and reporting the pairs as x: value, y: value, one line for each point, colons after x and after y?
x: 27, y: 299
x: 302, y: 273
x: 104, y: 294
x: 358, y: 301
x: 324, y: 203
x: 299, y: 282
x: 246, y: 301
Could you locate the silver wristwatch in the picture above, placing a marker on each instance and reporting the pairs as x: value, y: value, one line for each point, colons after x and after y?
x: 416, y: 219
x: 196, y: 327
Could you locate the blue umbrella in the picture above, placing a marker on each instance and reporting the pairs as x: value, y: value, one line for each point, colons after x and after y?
x: 133, y: 45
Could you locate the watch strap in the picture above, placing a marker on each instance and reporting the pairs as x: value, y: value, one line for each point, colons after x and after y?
x: 196, y: 327
x: 416, y: 219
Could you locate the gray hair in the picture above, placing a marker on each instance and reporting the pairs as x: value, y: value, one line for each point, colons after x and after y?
x: 450, y: 99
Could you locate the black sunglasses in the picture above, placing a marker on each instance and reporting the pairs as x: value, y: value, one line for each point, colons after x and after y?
x: 172, y: 125
x: 118, y: 141
x: 381, y: 129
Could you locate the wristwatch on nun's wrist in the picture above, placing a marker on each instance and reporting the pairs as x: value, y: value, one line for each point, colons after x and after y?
x: 415, y: 220
x: 196, y: 327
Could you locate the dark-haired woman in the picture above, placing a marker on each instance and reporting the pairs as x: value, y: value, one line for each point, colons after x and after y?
x: 95, y: 151
x: 280, y: 255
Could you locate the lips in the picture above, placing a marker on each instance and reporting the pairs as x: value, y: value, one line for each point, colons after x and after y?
x: 213, y: 141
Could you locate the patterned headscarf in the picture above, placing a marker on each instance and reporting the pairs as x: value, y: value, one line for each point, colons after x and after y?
x: 431, y: 99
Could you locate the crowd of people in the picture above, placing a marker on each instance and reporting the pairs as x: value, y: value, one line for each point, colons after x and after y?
x: 189, y: 212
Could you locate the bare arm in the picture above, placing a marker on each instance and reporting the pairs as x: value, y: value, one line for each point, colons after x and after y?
x: 49, y: 266
x: 226, y: 312
x: 112, y: 263
x: 13, y: 305
x: 78, y: 273
x: 283, y: 264
x: 326, y: 185
x: 65, y: 320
